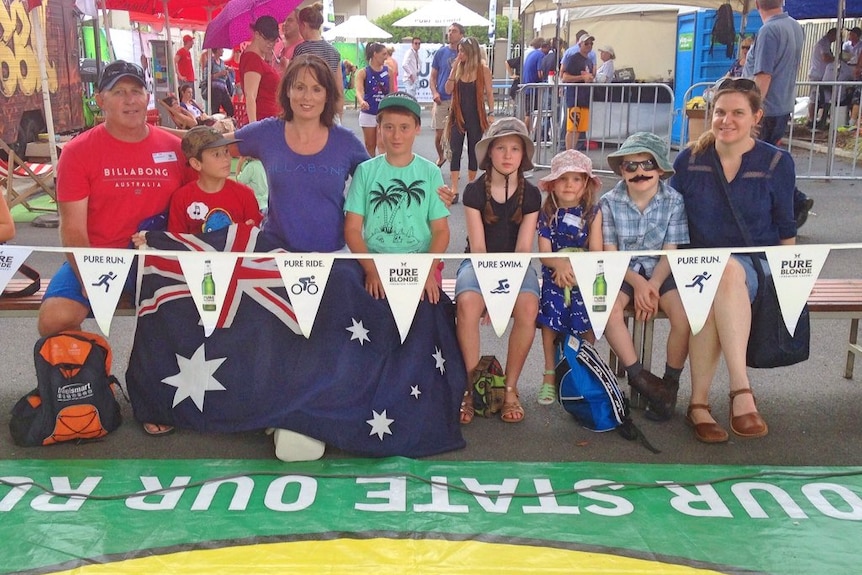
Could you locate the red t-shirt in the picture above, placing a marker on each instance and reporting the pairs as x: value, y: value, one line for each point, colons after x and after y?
x: 124, y: 183
x: 185, y: 68
x: 194, y: 211
x: 267, y: 106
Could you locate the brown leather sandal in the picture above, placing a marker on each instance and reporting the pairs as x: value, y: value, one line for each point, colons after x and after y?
x: 748, y: 424
x: 709, y: 432
x: 512, y: 408
x: 467, y: 410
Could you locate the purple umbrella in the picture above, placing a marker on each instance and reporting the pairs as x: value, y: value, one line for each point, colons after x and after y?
x: 233, y: 24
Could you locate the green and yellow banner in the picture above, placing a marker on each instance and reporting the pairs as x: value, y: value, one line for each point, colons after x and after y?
x: 406, y: 516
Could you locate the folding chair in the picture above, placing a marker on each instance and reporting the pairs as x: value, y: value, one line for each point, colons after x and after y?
x: 22, y: 181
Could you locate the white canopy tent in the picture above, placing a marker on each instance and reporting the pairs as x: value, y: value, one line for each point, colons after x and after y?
x: 534, y: 6
x: 440, y: 14
x: 643, y: 35
x: 356, y: 28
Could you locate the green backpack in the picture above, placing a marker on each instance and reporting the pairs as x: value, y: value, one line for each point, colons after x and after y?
x: 489, y: 386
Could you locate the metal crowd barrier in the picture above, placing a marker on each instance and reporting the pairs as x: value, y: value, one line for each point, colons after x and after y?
x: 825, y: 150
x: 617, y: 110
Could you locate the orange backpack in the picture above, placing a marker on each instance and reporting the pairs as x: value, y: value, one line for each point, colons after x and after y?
x: 76, y: 394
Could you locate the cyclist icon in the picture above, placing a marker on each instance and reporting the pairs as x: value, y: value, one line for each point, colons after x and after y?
x: 305, y: 284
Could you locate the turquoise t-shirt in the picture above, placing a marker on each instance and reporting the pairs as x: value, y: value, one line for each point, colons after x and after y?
x: 254, y: 176
x: 397, y: 204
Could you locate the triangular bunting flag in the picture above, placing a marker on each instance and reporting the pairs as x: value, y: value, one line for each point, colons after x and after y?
x: 697, y: 273
x: 104, y: 273
x: 599, y: 275
x: 794, y: 271
x: 11, y: 258
x: 403, y: 280
x: 305, y: 277
x: 208, y: 275
x: 500, y: 277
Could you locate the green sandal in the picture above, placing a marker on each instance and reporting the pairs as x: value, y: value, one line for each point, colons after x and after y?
x: 548, y: 391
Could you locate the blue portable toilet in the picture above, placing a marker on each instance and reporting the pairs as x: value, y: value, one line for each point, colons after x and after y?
x: 695, y: 64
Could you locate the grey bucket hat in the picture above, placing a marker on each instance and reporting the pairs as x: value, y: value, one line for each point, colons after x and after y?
x: 500, y: 128
x: 640, y: 143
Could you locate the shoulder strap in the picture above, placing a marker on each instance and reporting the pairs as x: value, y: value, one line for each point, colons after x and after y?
x: 722, y: 182
x: 31, y: 288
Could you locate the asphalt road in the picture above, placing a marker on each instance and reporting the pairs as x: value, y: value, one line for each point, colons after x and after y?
x: 812, y: 411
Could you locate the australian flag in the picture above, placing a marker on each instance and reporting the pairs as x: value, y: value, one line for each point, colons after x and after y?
x: 352, y: 384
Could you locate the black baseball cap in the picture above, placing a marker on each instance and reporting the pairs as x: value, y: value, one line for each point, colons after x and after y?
x: 119, y: 69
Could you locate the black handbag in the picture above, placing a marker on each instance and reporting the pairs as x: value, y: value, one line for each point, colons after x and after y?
x: 28, y: 290
x: 769, y: 342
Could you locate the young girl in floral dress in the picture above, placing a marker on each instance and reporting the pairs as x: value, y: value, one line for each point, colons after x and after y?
x: 567, y: 222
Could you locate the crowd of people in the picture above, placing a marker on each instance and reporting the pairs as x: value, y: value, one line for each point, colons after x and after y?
x: 294, y: 129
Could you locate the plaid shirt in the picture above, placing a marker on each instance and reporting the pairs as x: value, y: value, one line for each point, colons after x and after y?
x: 662, y: 222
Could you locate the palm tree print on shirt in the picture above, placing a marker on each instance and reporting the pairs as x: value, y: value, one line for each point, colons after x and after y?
x: 394, y: 228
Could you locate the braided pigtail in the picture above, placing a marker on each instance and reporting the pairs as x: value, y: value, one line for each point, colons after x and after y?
x: 488, y: 215
x: 518, y: 214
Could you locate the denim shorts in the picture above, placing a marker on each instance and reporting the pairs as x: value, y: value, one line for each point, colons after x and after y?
x: 466, y: 280
x: 751, y: 280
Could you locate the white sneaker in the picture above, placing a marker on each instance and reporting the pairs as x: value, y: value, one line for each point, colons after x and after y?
x: 293, y: 446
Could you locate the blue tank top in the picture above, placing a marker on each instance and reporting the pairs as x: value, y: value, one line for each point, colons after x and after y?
x: 376, y: 87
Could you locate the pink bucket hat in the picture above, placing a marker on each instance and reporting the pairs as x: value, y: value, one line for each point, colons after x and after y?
x: 570, y: 161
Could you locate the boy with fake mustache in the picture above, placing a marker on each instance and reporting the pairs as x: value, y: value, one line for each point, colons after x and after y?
x: 643, y: 212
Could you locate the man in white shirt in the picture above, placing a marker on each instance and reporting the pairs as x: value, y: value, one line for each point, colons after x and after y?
x: 850, y: 51
x: 411, y: 65
x: 821, y: 57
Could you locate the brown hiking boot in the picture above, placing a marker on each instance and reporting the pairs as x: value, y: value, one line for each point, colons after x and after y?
x: 660, y: 394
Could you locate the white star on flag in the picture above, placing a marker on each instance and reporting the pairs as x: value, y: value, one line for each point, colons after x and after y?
x: 359, y: 332
x: 379, y: 424
x: 195, y: 377
x: 414, y: 391
x: 438, y: 358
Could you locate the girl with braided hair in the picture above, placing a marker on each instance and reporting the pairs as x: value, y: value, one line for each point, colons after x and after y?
x: 501, y: 208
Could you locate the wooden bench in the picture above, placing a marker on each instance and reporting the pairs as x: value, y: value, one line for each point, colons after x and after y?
x: 830, y: 299
x: 29, y: 306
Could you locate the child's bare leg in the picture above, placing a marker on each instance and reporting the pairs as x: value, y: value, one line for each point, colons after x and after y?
x: 470, y: 307
x: 617, y: 333
x: 677, y: 341
x: 520, y: 342
x: 548, y: 390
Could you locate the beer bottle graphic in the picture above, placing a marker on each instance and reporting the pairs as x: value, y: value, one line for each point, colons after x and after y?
x: 600, y: 288
x: 208, y: 288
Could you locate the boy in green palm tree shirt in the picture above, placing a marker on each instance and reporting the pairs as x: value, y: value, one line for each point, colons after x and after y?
x: 393, y: 204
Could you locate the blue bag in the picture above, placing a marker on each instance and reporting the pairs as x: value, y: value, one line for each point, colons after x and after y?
x: 588, y: 386
x: 588, y: 389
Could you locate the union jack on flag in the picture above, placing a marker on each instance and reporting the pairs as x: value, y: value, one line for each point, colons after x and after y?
x: 256, y: 278
x: 352, y: 384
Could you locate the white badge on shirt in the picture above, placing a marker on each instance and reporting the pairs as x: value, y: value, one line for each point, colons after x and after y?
x: 573, y: 220
x: 164, y: 157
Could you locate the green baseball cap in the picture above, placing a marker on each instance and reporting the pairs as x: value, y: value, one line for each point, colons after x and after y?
x: 401, y: 100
